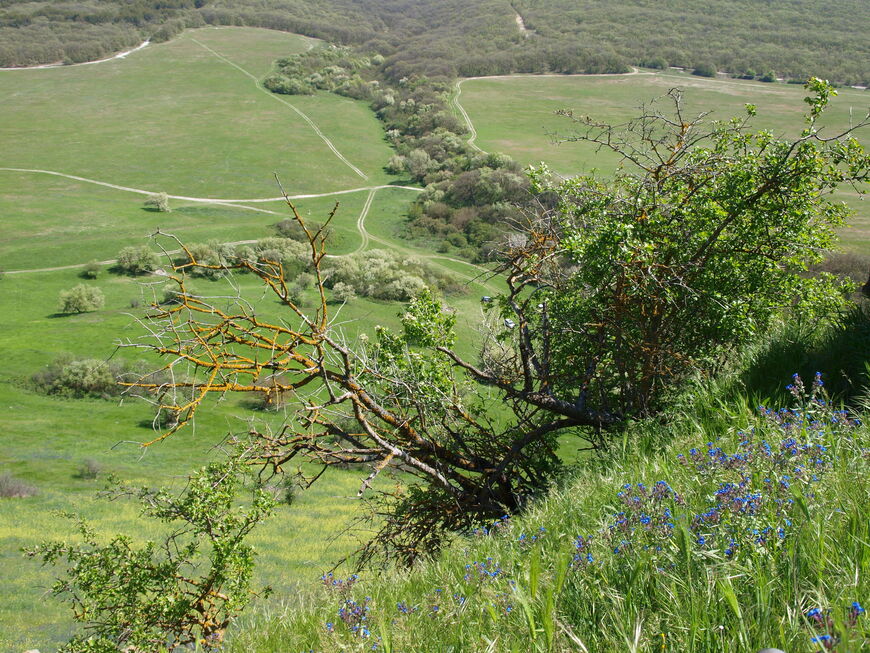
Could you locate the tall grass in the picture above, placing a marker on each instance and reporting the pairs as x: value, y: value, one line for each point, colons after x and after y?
x: 725, y: 527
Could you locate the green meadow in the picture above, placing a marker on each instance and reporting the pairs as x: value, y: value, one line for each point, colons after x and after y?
x: 188, y: 118
x: 173, y: 117
x: 180, y: 118
x: 517, y: 115
x: 45, y: 441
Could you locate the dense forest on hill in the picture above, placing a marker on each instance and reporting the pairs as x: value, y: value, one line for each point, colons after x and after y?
x: 449, y: 37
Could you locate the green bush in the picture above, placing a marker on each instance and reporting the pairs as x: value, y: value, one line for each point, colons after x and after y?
x: 87, y: 377
x: 158, y: 202
x: 81, y: 299
x: 91, y: 270
x: 705, y: 69
x: 137, y: 259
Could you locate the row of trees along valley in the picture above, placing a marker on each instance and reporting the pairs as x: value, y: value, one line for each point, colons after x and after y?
x: 471, y: 198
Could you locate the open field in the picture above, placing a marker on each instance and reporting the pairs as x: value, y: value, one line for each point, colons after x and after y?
x: 516, y: 115
x: 45, y: 440
x: 174, y: 117
x: 187, y: 117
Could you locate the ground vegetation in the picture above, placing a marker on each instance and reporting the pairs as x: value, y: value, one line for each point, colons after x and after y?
x: 617, y: 292
x: 446, y: 39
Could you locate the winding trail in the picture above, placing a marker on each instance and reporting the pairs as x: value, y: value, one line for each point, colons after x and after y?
x: 241, y: 203
x: 470, y: 125
x: 361, y: 221
x: 209, y: 200
x: 301, y: 114
x: 471, y: 130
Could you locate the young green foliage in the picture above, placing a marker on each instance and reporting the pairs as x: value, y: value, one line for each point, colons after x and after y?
x: 182, y: 590
x: 703, y: 236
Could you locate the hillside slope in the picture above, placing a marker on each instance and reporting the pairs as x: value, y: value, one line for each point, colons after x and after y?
x: 449, y: 37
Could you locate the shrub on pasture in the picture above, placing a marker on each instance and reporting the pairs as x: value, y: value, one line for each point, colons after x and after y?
x: 81, y: 299
x: 89, y: 377
x: 136, y: 259
x: 13, y: 488
x: 89, y: 470
x: 91, y: 270
x: 158, y: 202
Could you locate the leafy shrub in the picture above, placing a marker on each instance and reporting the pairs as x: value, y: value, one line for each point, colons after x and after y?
x: 185, y: 589
x: 81, y: 299
x: 91, y: 270
x: 137, y: 259
x: 89, y: 377
x: 210, y: 259
x: 343, y: 292
x: 158, y: 202
x: 289, y: 228
x: 89, y: 470
x: 381, y: 274
x: 13, y: 488
x: 705, y: 69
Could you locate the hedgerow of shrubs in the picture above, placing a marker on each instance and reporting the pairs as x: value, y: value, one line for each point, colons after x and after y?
x: 86, y: 377
x: 381, y: 274
x: 469, y: 195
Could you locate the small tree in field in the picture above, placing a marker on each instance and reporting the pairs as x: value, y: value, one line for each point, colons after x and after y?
x: 181, y: 591
x: 158, y: 202
x: 81, y: 299
x: 615, y: 291
x: 343, y: 292
x: 137, y: 259
x: 91, y: 270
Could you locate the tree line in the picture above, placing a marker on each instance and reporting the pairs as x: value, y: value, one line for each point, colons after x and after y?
x: 471, y: 197
x: 451, y: 38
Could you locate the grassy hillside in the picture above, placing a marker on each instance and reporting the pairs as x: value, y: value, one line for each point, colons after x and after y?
x: 727, y: 528
x: 178, y: 118
x: 172, y: 117
x: 516, y: 115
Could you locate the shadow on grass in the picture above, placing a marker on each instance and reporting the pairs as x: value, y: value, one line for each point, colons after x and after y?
x: 841, y: 353
x: 57, y: 315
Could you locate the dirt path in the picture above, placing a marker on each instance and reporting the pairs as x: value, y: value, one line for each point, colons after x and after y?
x: 120, y: 55
x: 361, y: 221
x: 209, y: 200
x: 521, y: 25
x: 471, y: 130
x: 301, y: 114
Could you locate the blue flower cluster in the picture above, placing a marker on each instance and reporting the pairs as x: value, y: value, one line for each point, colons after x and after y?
x: 528, y: 540
x: 355, y: 616
x: 485, y: 570
x: 582, y: 553
x: 647, y: 520
x: 823, y: 623
x: 338, y: 584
